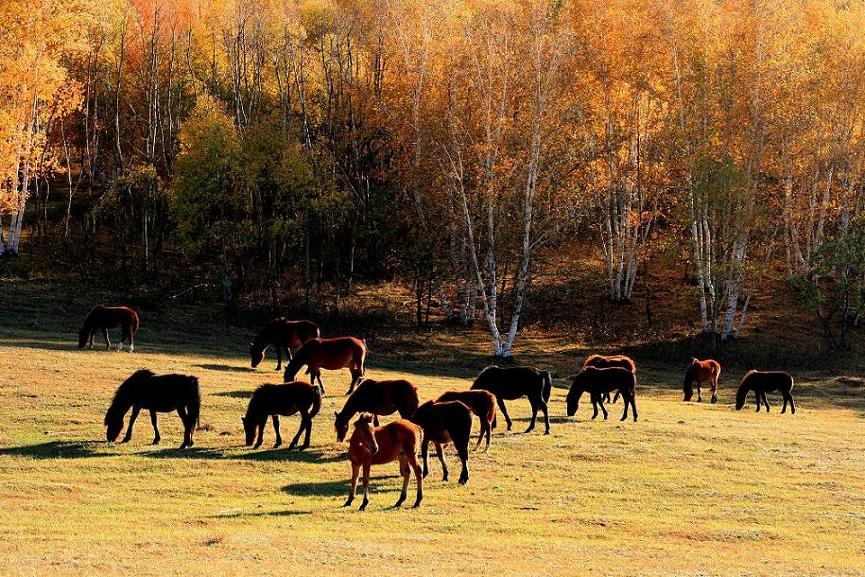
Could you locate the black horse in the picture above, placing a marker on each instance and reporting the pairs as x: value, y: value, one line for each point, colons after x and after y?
x: 600, y: 382
x: 762, y: 382
x: 511, y: 383
x: 162, y: 394
x: 285, y: 399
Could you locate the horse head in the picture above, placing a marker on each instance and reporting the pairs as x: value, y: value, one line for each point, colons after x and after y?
x: 341, y: 426
x: 256, y: 353
x: 113, y: 423
x: 574, y: 394
x: 364, y: 432
x: 250, y: 429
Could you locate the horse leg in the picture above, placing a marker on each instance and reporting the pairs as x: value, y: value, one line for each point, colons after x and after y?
x: 784, y: 408
x: 187, y: 433
x: 714, y: 389
x: 626, y: 397
x: 504, y: 411
x: 545, y: 409
x: 634, y: 404
x: 107, y: 341
x: 484, y: 426
x: 128, y: 436
x: 259, y: 438
x: 278, y: 357
x: 765, y: 401
x: 355, y: 469
x: 124, y: 335
x: 355, y: 376
x: 405, y: 471
x: 424, y: 453
x: 616, y: 398
x: 304, y: 417
x: 489, y: 434
x: 365, y: 502
x: 792, y: 404
x: 156, y: 437
x: 90, y: 338
x: 534, y: 405
x: 699, y: 392
x: 276, y: 430
x: 603, y: 408
x: 594, y: 406
x: 131, y: 340
x: 757, y: 396
x: 412, y: 461
x: 375, y: 420
x: 441, y: 455
x: 462, y: 447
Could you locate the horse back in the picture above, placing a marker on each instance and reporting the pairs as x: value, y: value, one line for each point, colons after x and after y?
x: 606, y: 362
x: 604, y: 380
x: 510, y: 383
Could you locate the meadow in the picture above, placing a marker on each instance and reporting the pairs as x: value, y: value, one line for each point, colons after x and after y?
x: 690, y: 489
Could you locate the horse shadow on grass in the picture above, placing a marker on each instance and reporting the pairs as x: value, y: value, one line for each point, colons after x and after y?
x: 234, y: 394
x: 340, y: 488
x: 281, y: 454
x: 53, y: 450
x: 225, y: 368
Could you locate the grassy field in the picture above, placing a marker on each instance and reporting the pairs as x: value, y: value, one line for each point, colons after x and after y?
x: 688, y: 490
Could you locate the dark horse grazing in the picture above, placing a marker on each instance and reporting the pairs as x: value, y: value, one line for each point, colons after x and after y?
x: 700, y: 372
x: 762, y: 382
x: 378, y: 398
x: 285, y: 399
x: 377, y: 445
x: 482, y: 404
x: 510, y: 383
x: 330, y: 354
x: 608, y: 361
x: 284, y: 335
x: 106, y: 318
x: 596, y: 382
x: 443, y: 423
x: 157, y: 394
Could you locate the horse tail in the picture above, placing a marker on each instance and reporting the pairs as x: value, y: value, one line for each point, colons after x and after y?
x: 136, y: 320
x: 491, y: 414
x: 195, y: 403
x: 547, y: 385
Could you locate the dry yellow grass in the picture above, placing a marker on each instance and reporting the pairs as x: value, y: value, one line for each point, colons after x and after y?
x: 688, y: 490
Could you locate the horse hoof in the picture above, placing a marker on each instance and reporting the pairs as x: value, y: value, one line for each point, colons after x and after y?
x: 416, y: 505
x: 348, y: 502
x: 125, y: 440
x: 363, y: 506
x: 155, y: 442
x: 445, y: 479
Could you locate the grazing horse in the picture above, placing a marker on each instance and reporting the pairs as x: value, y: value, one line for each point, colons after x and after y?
x: 599, y: 381
x: 510, y: 383
x: 286, y: 400
x: 284, y: 335
x: 378, y: 398
x: 106, y: 318
x: 443, y: 423
x: 163, y: 394
x: 701, y: 372
x: 371, y: 445
x: 608, y: 361
x: 762, y: 382
x: 482, y: 404
x: 330, y: 354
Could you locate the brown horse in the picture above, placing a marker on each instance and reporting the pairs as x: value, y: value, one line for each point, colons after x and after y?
x: 510, y: 383
x: 608, y: 361
x: 371, y: 445
x: 762, y: 382
x: 163, y: 394
x: 330, y: 354
x: 378, y: 398
x: 284, y: 335
x: 286, y: 400
x: 105, y: 318
x: 701, y: 372
x: 443, y: 423
x: 596, y: 382
x: 482, y: 404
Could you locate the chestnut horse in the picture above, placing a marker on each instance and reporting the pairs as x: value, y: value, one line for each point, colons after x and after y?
x: 330, y: 354
x: 482, y: 404
x: 701, y: 372
x: 163, y: 394
x: 762, y: 382
x: 443, y: 423
x: 286, y: 400
x: 371, y: 445
x: 105, y: 318
x: 605, y: 362
x: 378, y: 398
x: 596, y: 382
x: 510, y: 383
x: 284, y: 335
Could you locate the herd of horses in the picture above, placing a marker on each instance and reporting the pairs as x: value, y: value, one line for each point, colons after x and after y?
x: 443, y: 421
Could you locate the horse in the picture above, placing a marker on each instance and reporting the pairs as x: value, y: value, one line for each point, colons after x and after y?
x: 599, y: 381
x: 510, y: 383
x: 607, y: 361
x: 330, y: 354
x: 443, y: 423
x: 762, y: 382
x: 700, y: 372
x: 286, y: 400
x: 378, y: 398
x: 105, y: 318
x: 284, y: 335
x: 371, y: 445
x: 163, y: 394
x: 481, y: 403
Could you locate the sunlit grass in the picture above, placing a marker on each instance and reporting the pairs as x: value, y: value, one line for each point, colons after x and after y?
x: 688, y: 490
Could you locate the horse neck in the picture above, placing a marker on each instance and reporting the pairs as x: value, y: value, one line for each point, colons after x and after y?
x: 299, y: 359
x: 121, y: 403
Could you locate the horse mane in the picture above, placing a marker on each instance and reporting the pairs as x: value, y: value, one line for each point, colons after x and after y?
x: 364, y: 419
x: 591, y: 358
